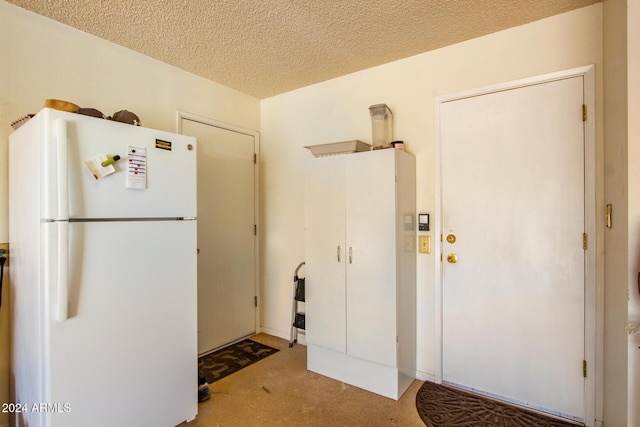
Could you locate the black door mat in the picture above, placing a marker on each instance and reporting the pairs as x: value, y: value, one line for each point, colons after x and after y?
x: 444, y: 406
x: 224, y: 362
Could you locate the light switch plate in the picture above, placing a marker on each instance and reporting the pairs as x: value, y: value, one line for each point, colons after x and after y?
x: 424, y: 244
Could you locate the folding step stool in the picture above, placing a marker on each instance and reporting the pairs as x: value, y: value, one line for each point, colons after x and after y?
x: 297, y: 316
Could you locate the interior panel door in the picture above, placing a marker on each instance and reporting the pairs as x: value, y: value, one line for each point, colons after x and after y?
x: 513, y: 218
x: 226, y: 239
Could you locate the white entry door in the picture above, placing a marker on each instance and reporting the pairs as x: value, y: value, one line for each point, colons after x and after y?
x: 226, y: 234
x: 513, y: 268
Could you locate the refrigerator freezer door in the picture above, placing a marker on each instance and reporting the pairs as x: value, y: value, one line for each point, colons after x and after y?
x: 168, y: 173
x: 127, y: 354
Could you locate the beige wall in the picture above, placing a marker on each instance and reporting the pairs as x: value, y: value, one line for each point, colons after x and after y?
x: 44, y: 59
x: 633, y: 94
x: 337, y: 110
x: 617, y: 240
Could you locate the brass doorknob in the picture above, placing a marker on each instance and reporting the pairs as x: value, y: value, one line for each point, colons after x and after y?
x: 452, y: 258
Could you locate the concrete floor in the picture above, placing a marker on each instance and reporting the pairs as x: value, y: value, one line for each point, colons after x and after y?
x: 279, y: 391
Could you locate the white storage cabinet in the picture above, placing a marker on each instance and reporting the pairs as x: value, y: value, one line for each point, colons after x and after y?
x: 360, y: 254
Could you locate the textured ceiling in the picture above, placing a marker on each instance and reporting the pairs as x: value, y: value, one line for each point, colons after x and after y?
x: 267, y: 47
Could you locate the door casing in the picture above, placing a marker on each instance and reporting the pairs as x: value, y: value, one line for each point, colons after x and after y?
x: 593, y: 286
x: 181, y: 116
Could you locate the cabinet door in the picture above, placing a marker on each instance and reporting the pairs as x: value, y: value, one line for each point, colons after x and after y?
x: 371, y: 264
x: 325, y: 252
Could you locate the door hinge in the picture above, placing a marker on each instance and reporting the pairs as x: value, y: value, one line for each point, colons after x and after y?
x: 584, y: 368
x: 255, y: 301
x: 584, y: 112
x: 255, y: 158
x: 584, y: 241
x: 255, y: 229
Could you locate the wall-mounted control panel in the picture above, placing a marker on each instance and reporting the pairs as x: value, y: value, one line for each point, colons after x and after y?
x: 423, y: 222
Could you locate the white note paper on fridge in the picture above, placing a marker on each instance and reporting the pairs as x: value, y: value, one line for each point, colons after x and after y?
x: 137, y: 167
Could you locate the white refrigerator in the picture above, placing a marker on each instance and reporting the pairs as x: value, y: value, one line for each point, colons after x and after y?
x: 103, y: 273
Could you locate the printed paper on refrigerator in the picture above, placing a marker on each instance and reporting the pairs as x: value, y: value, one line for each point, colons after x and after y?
x: 137, y: 167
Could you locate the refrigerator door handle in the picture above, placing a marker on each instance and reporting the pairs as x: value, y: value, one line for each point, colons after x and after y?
x: 62, y: 312
x: 62, y: 171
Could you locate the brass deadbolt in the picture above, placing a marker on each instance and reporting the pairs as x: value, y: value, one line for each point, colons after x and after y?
x: 451, y: 238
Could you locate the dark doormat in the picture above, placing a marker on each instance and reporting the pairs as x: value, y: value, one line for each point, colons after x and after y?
x: 443, y: 406
x: 224, y: 362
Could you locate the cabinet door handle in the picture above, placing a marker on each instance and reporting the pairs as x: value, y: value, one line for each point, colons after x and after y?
x: 338, y: 253
x: 350, y: 255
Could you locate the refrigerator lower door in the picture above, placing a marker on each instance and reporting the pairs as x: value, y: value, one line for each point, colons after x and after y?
x: 126, y: 355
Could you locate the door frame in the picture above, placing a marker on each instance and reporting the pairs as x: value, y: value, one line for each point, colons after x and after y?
x: 183, y: 115
x: 594, y: 286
